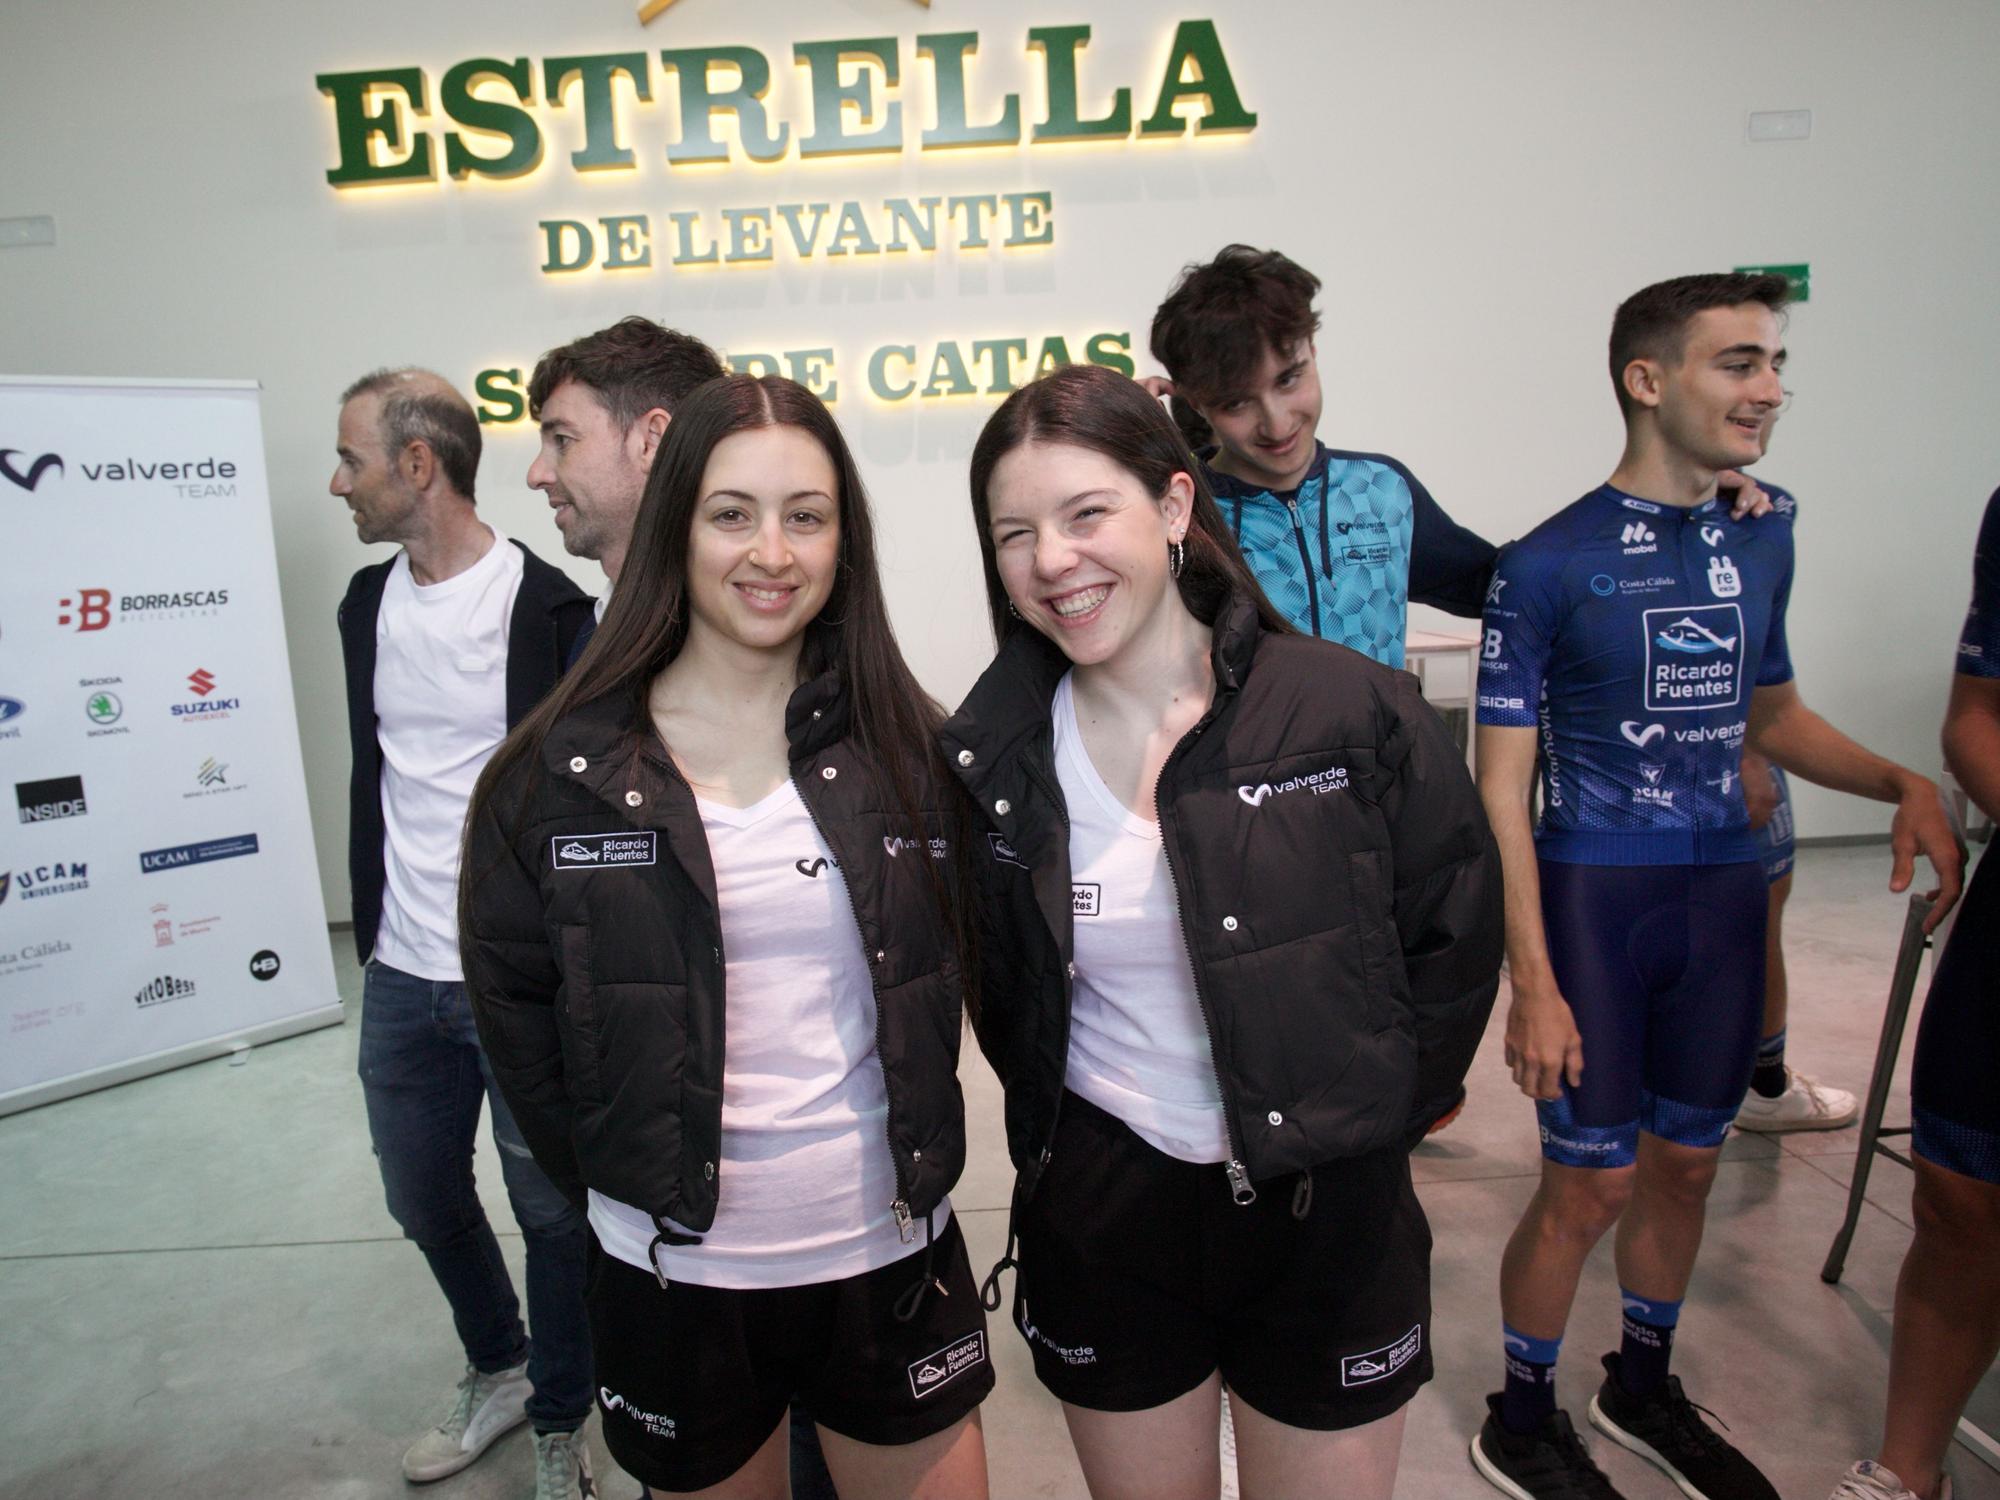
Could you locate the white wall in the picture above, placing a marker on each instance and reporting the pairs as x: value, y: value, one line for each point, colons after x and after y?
x: 1477, y: 184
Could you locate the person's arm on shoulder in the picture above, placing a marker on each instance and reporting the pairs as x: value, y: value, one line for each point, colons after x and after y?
x: 1446, y: 898
x: 1450, y: 566
x: 511, y: 979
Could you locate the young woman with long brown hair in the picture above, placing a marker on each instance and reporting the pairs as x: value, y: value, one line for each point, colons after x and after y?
x: 710, y: 946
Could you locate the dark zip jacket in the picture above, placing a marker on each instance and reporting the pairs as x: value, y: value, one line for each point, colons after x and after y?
x: 549, y: 613
x: 1338, y: 891
x: 594, y: 961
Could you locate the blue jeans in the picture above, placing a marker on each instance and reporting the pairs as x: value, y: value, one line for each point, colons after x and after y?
x: 424, y: 1077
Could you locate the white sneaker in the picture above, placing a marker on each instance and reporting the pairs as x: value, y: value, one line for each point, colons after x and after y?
x: 1806, y: 1104
x: 1868, y: 1480
x: 486, y: 1407
x: 562, y: 1466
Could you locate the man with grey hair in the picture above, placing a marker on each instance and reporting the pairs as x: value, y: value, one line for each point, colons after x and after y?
x: 448, y: 645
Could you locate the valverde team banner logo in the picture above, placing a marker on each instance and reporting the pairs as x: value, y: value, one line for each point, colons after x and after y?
x: 662, y: 121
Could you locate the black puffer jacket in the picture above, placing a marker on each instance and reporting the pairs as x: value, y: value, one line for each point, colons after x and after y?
x: 593, y: 958
x: 1339, y: 895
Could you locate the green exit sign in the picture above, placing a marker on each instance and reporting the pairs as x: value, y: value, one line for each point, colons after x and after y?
x: 1800, y: 276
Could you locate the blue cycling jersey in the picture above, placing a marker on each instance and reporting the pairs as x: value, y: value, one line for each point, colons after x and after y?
x: 1631, y: 634
x: 1343, y: 555
x: 1979, y: 643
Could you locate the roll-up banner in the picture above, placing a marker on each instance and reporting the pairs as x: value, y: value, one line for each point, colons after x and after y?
x: 159, y: 899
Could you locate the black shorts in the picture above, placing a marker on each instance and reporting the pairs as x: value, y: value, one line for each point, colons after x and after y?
x: 1139, y: 1277
x: 1955, y: 1078
x: 691, y: 1380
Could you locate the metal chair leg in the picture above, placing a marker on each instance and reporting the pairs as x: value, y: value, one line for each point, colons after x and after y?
x: 1902, y: 988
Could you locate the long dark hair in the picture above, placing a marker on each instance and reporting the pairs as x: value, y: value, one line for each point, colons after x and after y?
x: 1088, y: 406
x: 893, y: 721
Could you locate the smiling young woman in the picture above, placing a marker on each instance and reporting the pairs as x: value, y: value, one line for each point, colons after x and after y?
x: 1240, y: 933
x: 711, y: 946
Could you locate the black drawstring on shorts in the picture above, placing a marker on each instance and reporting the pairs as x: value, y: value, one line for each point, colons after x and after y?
x: 989, y: 1289
x: 666, y: 1236
x: 1302, y: 1195
x: 913, y: 1295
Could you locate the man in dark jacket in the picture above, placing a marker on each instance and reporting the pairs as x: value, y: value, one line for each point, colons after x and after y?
x: 447, y: 645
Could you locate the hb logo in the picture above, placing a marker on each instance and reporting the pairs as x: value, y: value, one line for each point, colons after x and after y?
x: 36, y: 470
x: 92, y: 606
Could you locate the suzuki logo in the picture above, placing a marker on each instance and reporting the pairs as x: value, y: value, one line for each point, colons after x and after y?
x: 1255, y: 795
x: 1642, y: 737
x: 202, y: 681
x: 36, y: 470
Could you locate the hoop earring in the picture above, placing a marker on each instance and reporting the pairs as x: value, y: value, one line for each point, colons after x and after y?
x: 1176, y: 559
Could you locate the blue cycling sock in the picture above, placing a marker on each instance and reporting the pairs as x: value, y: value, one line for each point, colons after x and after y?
x: 1648, y: 1342
x: 1529, y: 1397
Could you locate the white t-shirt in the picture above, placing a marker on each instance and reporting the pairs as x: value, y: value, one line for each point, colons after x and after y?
x: 1138, y: 1047
x: 441, y: 707
x: 806, y: 1182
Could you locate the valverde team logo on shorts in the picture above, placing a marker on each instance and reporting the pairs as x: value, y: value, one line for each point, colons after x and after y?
x: 1380, y: 1364
x: 604, y: 851
x: 935, y: 1371
x: 1694, y: 657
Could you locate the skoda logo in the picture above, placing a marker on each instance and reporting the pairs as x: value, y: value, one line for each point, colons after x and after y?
x: 104, y: 708
x: 1604, y: 585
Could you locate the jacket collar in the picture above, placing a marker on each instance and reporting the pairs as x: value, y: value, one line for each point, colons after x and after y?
x: 1226, y: 487
x: 606, y: 732
x: 1009, y: 707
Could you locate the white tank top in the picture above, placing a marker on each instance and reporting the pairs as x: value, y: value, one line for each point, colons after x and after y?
x: 806, y: 1183
x: 1138, y: 1046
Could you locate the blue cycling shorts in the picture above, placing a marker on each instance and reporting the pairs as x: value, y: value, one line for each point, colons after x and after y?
x: 1663, y: 969
x: 1955, y: 1077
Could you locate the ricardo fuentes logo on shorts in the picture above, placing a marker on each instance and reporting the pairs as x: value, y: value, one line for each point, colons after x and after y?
x: 935, y: 1371
x: 1319, y: 783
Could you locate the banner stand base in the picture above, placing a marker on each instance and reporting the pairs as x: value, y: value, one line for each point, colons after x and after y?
x: 163, y: 1062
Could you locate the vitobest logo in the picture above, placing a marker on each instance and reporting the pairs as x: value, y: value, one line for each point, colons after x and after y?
x: 1319, y: 783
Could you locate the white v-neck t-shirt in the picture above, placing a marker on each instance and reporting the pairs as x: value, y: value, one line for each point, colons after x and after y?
x: 1138, y: 1046
x: 806, y: 1182
x: 441, y: 712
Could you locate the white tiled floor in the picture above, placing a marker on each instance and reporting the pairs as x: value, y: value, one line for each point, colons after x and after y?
x: 201, y: 1294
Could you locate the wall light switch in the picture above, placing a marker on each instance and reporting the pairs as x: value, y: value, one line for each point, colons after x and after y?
x: 40, y: 230
x: 1781, y: 125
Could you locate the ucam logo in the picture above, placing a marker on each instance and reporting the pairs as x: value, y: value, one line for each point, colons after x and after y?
x: 1319, y: 783
x: 1694, y: 657
x: 31, y: 476
x: 1642, y: 737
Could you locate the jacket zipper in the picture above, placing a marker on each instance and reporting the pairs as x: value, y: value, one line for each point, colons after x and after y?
x: 1054, y: 794
x: 1305, y: 556
x: 906, y: 1227
x: 1241, y: 1190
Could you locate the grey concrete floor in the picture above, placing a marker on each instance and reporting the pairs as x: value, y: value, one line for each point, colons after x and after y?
x: 201, y: 1294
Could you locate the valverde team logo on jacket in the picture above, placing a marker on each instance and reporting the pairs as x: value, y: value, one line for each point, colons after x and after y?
x: 1319, y: 783
x: 604, y: 851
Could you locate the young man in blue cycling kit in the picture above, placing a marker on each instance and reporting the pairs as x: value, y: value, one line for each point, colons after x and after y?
x: 1634, y: 643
